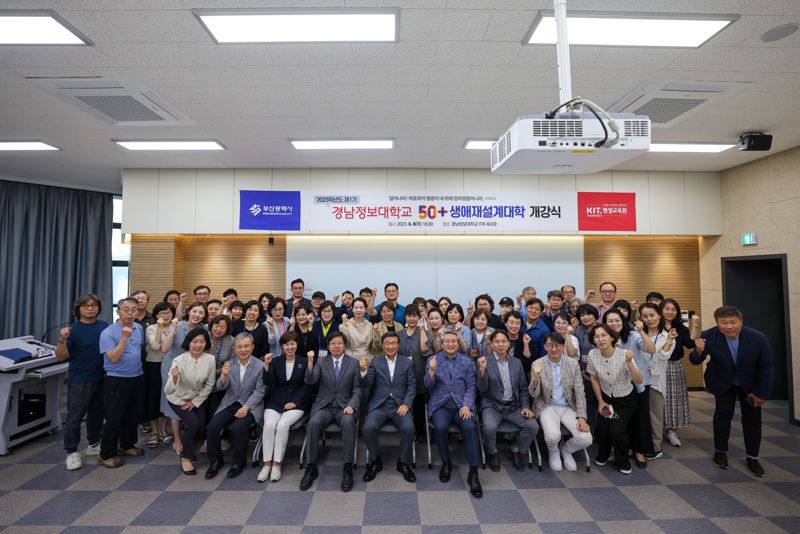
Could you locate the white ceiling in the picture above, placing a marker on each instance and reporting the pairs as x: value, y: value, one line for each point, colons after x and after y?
x: 459, y: 70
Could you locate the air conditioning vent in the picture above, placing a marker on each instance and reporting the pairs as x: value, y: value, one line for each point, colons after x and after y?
x: 557, y: 128
x: 121, y: 102
x: 668, y: 102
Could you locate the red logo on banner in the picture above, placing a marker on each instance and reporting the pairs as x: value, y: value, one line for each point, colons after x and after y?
x: 605, y: 212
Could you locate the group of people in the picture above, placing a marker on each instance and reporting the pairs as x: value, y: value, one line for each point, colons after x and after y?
x: 214, y: 371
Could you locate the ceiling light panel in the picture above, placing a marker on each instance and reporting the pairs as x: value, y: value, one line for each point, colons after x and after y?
x: 478, y: 144
x: 627, y: 29
x: 25, y: 145
x: 170, y: 145
x: 299, y: 26
x: 36, y: 27
x: 689, y: 147
x: 343, y: 144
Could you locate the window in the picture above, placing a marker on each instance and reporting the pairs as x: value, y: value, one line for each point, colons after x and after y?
x: 120, y: 256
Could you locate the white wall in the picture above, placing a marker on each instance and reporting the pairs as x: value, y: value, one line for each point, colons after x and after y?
x: 459, y: 267
x: 169, y: 201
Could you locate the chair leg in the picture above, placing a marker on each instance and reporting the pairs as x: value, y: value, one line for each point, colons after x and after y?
x: 355, y: 452
x: 428, y: 435
x: 303, y: 450
x: 588, y: 462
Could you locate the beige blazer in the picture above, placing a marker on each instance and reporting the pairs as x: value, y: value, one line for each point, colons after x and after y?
x: 571, y: 380
x: 359, y: 338
x: 196, y: 380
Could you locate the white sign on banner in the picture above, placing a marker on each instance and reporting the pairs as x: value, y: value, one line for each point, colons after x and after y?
x: 439, y: 213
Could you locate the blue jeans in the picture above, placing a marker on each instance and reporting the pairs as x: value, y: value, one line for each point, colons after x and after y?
x: 83, y: 398
x: 441, y: 419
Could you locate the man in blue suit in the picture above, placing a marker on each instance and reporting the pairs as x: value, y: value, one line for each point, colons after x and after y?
x: 740, y: 366
x: 450, y: 379
x: 392, y: 387
x: 240, y: 408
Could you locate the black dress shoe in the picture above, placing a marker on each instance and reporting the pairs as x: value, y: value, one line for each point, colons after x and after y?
x: 640, y: 465
x: 444, y: 472
x: 755, y: 467
x: 721, y: 460
x: 474, y: 485
x: 518, y: 461
x: 494, y: 462
x: 235, y: 471
x: 309, y: 477
x: 347, y: 477
x: 408, y: 474
x: 371, y: 472
x: 214, y: 468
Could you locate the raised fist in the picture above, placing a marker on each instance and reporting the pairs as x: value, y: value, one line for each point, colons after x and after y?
x: 226, y: 369
x: 470, y: 308
x: 175, y: 373
x: 526, y: 338
x: 375, y: 327
x: 628, y: 355
x: 432, y: 364
x: 310, y: 354
x: 175, y: 320
x: 638, y: 325
x: 634, y: 304
x: 673, y: 334
x: 344, y: 318
x: 473, y: 353
x: 591, y: 294
x: 292, y: 321
x: 335, y: 298
x: 537, y: 368
x: 127, y: 331
x: 65, y: 333
x: 700, y: 345
x: 519, y: 298
x: 363, y: 364
x: 374, y: 291
x: 270, y: 320
x: 182, y: 297
x: 570, y: 329
x: 482, y: 363
x: 696, y: 320
x: 268, y: 358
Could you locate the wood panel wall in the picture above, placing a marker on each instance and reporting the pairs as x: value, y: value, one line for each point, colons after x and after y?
x: 638, y: 265
x: 246, y: 262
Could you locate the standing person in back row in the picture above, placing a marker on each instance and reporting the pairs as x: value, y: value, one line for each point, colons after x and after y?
x: 80, y: 343
x: 298, y: 288
x: 740, y: 367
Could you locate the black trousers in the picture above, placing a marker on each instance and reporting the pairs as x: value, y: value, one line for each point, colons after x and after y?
x: 751, y: 421
x: 194, y: 422
x: 123, y: 399
x: 614, y: 432
x: 239, y: 429
x: 641, y: 436
x: 152, y: 378
x: 83, y: 398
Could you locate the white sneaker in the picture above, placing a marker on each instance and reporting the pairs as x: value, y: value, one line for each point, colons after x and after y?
x: 672, y: 437
x: 555, y: 461
x: 93, y: 450
x: 74, y: 461
x: 276, y: 473
x: 568, y: 460
x: 263, y: 475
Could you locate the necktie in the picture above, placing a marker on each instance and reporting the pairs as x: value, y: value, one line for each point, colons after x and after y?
x: 336, y: 370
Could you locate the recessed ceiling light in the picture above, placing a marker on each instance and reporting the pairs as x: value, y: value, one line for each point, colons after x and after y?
x: 622, y: 29
x: 780, y: 32
x: 688, y: 147
x: 37, y: 27
x: 295, y: 26
x: 342, y: 144
x: 25, y: 145
x: 478, y: 144
x: 170, y: 145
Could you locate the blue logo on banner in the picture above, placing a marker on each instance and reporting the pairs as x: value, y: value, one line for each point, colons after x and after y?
x: 269, y: 210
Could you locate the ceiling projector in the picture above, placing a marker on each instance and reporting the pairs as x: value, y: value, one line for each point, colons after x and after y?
x: 570, y: 143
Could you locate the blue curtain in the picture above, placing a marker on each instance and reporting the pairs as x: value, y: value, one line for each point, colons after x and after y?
x: 55, y: 244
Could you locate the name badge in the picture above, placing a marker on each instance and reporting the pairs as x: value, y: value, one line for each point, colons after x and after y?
x: 323, y: 353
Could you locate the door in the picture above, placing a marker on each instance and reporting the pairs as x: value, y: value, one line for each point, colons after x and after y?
x: 757, y: 285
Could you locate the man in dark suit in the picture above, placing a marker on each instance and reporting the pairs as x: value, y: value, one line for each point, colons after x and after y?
x: 338, y: 396
x: 239, y: 409
x: 504, y: 397
x: 451, y: 381
x: 392, y: 386
x: 740, y: 366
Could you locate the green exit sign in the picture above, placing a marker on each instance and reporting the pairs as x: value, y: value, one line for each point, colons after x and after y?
x: 749, y: 239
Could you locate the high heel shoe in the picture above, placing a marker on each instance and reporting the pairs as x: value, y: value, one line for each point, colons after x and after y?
x: 191, y: 471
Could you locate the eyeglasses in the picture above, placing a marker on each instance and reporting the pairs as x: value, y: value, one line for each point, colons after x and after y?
x: 90, y: 305
x: 129, y: 310
x: 608, y: 291
x: 549, y: 346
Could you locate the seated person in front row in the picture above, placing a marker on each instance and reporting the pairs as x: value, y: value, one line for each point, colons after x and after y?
x: 451, y: 381
x: 557, y: 390
x: 504, y: 397
x: 392, y: 387
x: 338, y: 398
x: 239, y: 409
x: 287, y: 401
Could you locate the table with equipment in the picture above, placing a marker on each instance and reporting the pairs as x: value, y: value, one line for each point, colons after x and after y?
x: 30, y: 390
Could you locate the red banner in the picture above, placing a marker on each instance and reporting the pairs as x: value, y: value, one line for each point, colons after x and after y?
x: 606, y: 212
